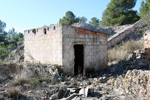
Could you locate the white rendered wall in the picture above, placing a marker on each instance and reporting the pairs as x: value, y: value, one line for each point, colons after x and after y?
x: 44, y: 48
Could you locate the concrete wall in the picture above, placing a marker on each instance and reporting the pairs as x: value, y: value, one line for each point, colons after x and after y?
x: 43, y: 48
x: 57, y: 47
x: 95, y: 48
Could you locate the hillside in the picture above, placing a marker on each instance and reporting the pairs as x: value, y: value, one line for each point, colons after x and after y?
x: 126, y: 78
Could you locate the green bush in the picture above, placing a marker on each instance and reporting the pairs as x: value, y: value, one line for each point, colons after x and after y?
x: 4, y: 52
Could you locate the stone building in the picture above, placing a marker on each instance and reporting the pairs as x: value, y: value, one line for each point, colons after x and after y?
x: 78, y: 48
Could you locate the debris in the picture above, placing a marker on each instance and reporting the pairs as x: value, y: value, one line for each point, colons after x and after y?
x: 84, y: 91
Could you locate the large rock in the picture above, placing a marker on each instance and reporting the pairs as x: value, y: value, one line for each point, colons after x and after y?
x: 136, y: 82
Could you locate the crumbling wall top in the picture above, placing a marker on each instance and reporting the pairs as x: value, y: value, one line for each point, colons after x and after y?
x: 43, y: 29
x: 93, y: 28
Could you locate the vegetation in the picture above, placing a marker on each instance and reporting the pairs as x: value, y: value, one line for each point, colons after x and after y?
x: 23, y: 77
x: 145, y: 8
x: 13, y: 93
x: 82, y: 20
x: 119, y: 12
x: 11, y: 37
x: 94, y: 21
x: 69, y: 18
x: 122, y: 51
x: 8, y: 40
x: 3, y: 50
x: 2, y: 26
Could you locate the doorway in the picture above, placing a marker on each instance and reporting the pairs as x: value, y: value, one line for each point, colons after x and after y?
x: 79, y: 59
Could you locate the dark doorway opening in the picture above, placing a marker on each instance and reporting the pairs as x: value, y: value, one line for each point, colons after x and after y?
x: 44, y: 30
x: 79, y: 59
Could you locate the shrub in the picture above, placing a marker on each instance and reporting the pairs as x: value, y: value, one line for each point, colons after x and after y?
x: 1, y: 62
x: 133, y: 45
x: 4, y: 52
x: 122, y: 51
x: 23, y: 77
x: 117, y: 54
x: 13, y: 93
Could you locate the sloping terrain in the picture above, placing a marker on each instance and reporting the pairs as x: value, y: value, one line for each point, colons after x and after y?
x: 127, y: 78
x: 17, y: 55
x: 121, y: 32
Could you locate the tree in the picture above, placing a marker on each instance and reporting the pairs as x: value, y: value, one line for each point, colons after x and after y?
x: 2, y: 32
x: 13, y: 37
x: 4, y: 51
x: 2, y: 26
x: 3, y: 37
x: 94, y: 21
x: 119, y: 12
x: 82, y: 20
x: 145, y: 8
x: 17, y: 38
x: 69, y: 18
x: 10, y: 34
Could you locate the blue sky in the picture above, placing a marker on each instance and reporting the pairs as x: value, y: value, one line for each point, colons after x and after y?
x: 27, y: 14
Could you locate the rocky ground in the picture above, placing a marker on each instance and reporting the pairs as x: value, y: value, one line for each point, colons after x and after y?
x: 125, y: 80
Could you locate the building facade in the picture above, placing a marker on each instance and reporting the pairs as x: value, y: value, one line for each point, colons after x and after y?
x: 77, y: 49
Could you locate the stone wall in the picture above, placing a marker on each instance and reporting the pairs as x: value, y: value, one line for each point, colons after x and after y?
x: 43, y: 45
x: 95, y: 48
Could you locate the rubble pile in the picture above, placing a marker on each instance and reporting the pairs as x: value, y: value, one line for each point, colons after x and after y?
x: 125, y: 80
x: 134, y: 82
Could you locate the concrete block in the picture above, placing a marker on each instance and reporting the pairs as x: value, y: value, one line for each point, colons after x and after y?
x: 58, y: 48
x: 86, y: 36
x: 81, y: 36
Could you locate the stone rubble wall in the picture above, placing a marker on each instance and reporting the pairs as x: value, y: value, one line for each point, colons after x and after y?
x: 95, y: 48
x: 44, y: 48
x: 119, y: 36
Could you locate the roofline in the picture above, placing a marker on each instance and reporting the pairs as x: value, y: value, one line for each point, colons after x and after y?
x: 90, y: 30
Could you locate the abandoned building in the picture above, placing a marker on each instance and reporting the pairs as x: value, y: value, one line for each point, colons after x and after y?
x: 76, y: 48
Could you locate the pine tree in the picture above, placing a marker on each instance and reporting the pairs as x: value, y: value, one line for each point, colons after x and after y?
x: 82, y: 20
x: 145, y: 8
x: 119, y: 12
x: 94, y: 21
x: 69, y: 18
x: 2, y: 26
